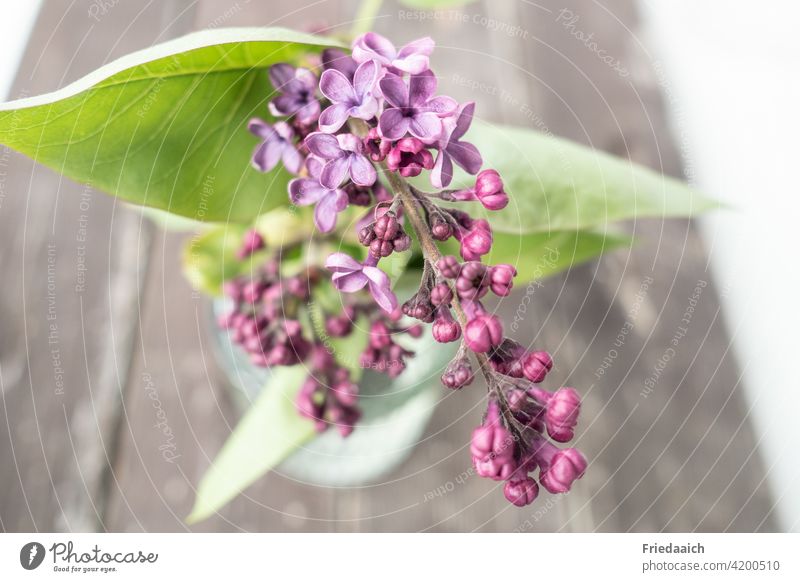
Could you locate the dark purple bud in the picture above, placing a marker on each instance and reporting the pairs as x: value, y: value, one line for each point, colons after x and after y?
x: 473, y: 281
x: 409, y: 157
x: 346, y: 393
x: 358, y: 195
x: 375, y: 146
x: 441, y: 294
x: 339, y: 325
x: 366, y: 235
x: 419, y: 307
x: 489, y: 190
x: 521, y: 491
x: 381, y: 248
x: 458, y: 374
x: 441, y: 230
x: 449, y: 266
x: 402, y: 243
x: 386, y: 226
x: 502, y: 279
x: 483, y: 333
x: 536, y: 365
x: 379, y: 335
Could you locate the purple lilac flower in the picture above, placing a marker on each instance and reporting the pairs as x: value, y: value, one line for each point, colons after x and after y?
x: 414, y: 108
x: 452, y: 150
x: 276, y: 145
x: 350, y: 276
x: 297, y: 87
x: 412, y: 58
x: 330, y: 201
x: 337, y: 59
x: 344, y: 156
x: 349, y: 98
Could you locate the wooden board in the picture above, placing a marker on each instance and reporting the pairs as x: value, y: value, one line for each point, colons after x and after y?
x: 683, y: 457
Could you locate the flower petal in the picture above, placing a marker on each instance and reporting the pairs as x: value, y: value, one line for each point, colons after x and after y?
x: 442, y: 173
x: 425, y: 126
x: 306, y: 191
x: 362, y: 172
x: 393, y: 124
x: 336, y: 87
x: 421, y: 88
x: 463, y: 121
x: 309, y: 112
x: 366, y: 110
x: 333, y: 202
x: 342, y: 263
x: 281, y: 75
x: 261, y: 128
x: 466, y: 155
x: 323, y: 145
x: 380, y: 288
x: 349, y: 282
x: 334, y: 117
x: 292, y: 159
x: 371, y: 45
x: 443, y: 106
x: 334, y: 172
x: 422, y: 46
x: 333, y: 58
x: 266, y: 155
x: 394, y: 90
x: 364, y: 79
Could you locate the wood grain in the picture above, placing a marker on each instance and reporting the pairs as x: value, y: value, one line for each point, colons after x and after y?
x: 680, y: 456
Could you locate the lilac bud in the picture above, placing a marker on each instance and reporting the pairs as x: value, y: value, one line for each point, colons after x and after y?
x: 339, y: 326
x: 346, y: 393
x: 402, y: 243
x: 419, y: 307
x: 563, y: 469
x: 561, y: 415
x: 477, y: 241
x: 449, y: 266
x: 473, y: 281
x: 375, y: 146
x: 489, y: 190
x: 233, y: 289
x: 458, y: 374
x: 536, y: 365
x: 251, y: 243
x: 366, y: 235
x: 483, y: 333
x: 379, y: 336
x: 386, y: 226
x: 493, y: 447
x: 409, y: 157
x: 441, y: 294
x: 502, y: 279
x: 445, y: 328
x: 358, y: 195
x: 381, y: 248
x: 521, y: 491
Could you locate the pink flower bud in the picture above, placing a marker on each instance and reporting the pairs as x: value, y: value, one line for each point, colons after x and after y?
x: 386, y: 226
x: 564, y: 469
x: 502, y: 279
x: 536, y: 365
x: 489, y: 190
x: 521, y: 492
x: 561, y: 415
x: 483, y: 333
x: 251, y: 243
x: 441, y: 294
x: 445, y: 328
x: 409, y: 157
x: 477, y: 241
x: 458, y: 374
x: 493, y: 447
x: 375, y: 146
x: 449, y: 266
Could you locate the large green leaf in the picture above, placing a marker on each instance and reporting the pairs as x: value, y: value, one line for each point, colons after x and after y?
x: 166, y: 127
x: 555, y: 184
x: 269, y: 431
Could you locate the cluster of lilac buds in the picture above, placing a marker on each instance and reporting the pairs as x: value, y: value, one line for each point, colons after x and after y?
x: 356, y: 124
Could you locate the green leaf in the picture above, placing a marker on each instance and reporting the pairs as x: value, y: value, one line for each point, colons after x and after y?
x: 266, y: 435
x: 436, y: 4
x: 209, y: 259
x: 555, y: 184
x: 166, y: 127
x: 540, y: 255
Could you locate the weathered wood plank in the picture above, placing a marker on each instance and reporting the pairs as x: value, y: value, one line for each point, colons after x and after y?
x: 69, y: 304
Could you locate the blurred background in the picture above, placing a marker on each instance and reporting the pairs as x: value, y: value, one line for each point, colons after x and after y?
x: 693, y: 435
